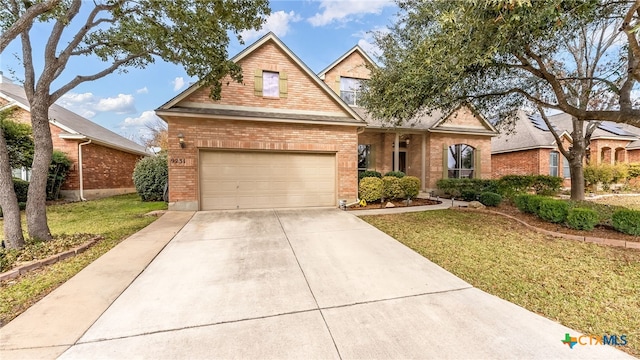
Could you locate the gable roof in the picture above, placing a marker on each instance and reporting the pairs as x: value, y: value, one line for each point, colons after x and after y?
x: 530, y: 132
x: 435, y: 121
x: 357, y: 49
x: 247, y: 113
x: 73, y: 125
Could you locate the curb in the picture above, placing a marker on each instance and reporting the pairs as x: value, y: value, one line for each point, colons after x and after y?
x: 25, y: 268
x: 589, y: 239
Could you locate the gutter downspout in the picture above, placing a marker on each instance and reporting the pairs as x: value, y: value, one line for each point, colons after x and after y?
x: 80, y: 168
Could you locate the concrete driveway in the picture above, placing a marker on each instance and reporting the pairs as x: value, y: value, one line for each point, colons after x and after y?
x: 318, y: 283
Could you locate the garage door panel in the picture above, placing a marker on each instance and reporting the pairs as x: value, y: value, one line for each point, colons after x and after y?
x: 253, y: 180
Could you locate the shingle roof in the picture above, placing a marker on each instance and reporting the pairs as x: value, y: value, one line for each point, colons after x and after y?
x: 526, y: 135
x: 73, y: 123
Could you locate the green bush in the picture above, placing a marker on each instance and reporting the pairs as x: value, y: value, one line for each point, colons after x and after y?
x: 398, y: 174
x: 534, y: 203
x: 58, y: 170
x: 410, y: 186
x: 370, y: 189
x: 21, y: 188
x: 391, y: 188
x: 369, y: 173
x: 150, y: 177
x: 547, y: 185
x: 511, y: 185
x: 553, y: 210
x: 582, y: 219
x: 633, y: 170
x: 490, y: 199
x: 455, y: 187
x: 626, y: 221
x: 469, y: 195
x: 522, y: 202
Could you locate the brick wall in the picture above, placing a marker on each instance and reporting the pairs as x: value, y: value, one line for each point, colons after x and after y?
x: 525, y: 162
x: 436, y: 143
x: 352, y: 66
x: 303, y: 92
x: 604, y: 151
x: 202, y: 134
x: 633, y: 156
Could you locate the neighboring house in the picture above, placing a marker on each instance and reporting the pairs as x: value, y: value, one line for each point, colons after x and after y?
x: 287, y: 137
x: 102, y: 161
x: 531, y: 149
x: 440, y: 145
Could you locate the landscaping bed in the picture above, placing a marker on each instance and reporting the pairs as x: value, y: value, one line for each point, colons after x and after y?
x: 396, y: 203
x: 600, y: 231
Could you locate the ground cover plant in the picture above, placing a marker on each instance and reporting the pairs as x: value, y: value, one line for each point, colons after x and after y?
x: 113, y: 218
x: 590, y: 288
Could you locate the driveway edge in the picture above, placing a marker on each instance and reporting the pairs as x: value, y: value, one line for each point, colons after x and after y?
x: 57, y: 321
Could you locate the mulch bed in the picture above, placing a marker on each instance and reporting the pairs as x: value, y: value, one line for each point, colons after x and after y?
x: 600, y: 231
x: 397, y: 203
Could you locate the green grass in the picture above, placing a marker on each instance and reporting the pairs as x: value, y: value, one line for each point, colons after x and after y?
x: 631, y: 202
x: 592, y: 289
x: 114, y: 218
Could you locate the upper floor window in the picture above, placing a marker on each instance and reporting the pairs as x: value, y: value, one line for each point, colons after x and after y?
x: 270, y: 84
x: 350, y: 90
x: 461, y: 160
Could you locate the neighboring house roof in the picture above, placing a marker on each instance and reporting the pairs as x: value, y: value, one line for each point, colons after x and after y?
x: 356, y: 48
x: 74, y: 125
x: 530, y: 132
x: 221, y: 111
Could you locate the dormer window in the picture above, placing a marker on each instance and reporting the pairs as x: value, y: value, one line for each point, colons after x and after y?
x: 350, y: 90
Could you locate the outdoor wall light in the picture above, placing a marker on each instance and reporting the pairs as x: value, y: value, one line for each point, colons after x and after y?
x: 181, y: 140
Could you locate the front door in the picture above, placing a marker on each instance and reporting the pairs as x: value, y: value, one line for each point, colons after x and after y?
x: 402, y: 163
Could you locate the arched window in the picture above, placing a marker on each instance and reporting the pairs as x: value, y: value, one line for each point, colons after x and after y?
x: 461, y: 161
x: 619, y: 155
x: 605, y: 155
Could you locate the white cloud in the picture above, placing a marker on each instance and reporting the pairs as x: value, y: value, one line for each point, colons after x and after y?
x: 278, y: 22
x: 345, y: 10
x: 147, y: 117
x: 144, y: 90
x: 89, y: 105
x: 178, y: 83
x: 367, y: 41
x: 121, y: 104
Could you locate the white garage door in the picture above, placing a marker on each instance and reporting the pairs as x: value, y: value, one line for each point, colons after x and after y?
x: 258, y: 180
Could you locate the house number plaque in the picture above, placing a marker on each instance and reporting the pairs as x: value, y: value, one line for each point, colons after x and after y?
x: 178, y: 161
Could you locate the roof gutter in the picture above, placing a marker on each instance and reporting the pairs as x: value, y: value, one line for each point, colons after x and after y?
x: 80, y: 168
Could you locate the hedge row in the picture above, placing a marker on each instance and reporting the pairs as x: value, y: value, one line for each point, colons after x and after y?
x: 560, y: 211
x: 389, y: 187
x: 507, y: 186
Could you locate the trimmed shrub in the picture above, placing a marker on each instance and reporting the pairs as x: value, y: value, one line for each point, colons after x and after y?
x: 553, y: 210
x: 512, y: 185
x: 547, y: 185
x: 150, y: 177
x: 391, y: 188
x: 369, y: 173
x: 398, y: 174
x: 370, y: 189
x: 626, y: 221
x: 469, y: 195
x: 21, y: 188
x: 410, y: 186
x: 522, y: 202
x: 582, y: 219
x: 533, y: 204
x: 58, y: 169
x: 455, y: 187
x: 490, y: 199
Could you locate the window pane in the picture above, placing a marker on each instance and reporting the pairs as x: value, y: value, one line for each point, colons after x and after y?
x: 461, y: 161
x: 364, y: 152
x: 270, y: 84
x: 553, y: 164
x: 466, y: 157
x: 349, y: 97
x: 349, y: 84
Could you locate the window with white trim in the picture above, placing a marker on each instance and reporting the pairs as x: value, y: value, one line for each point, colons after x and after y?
x: 350, y: 90
x: 461, y: 161
x: 270, y: 84
x: 553, y: 163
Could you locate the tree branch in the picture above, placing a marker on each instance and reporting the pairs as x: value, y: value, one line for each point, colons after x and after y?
x: 25, y: 21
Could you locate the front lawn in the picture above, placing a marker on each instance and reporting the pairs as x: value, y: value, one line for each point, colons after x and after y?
x: 590, y: 288
x: 114, y: 218
x: 631, y: 202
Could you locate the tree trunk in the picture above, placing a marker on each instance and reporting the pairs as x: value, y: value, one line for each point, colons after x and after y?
x: 13, y: 238
x: 37, y: 195
x: 577, y: 154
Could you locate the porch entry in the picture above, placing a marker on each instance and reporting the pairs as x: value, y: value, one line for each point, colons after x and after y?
x: 402, y: 161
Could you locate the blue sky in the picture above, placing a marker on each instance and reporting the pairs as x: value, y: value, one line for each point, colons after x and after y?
x: 318, y: 31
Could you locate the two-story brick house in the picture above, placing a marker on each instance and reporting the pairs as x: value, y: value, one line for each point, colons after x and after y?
x: 102, y: 161
x: 287, y: 137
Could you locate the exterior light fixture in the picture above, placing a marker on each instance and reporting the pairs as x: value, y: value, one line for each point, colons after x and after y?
x: 181, y: 140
